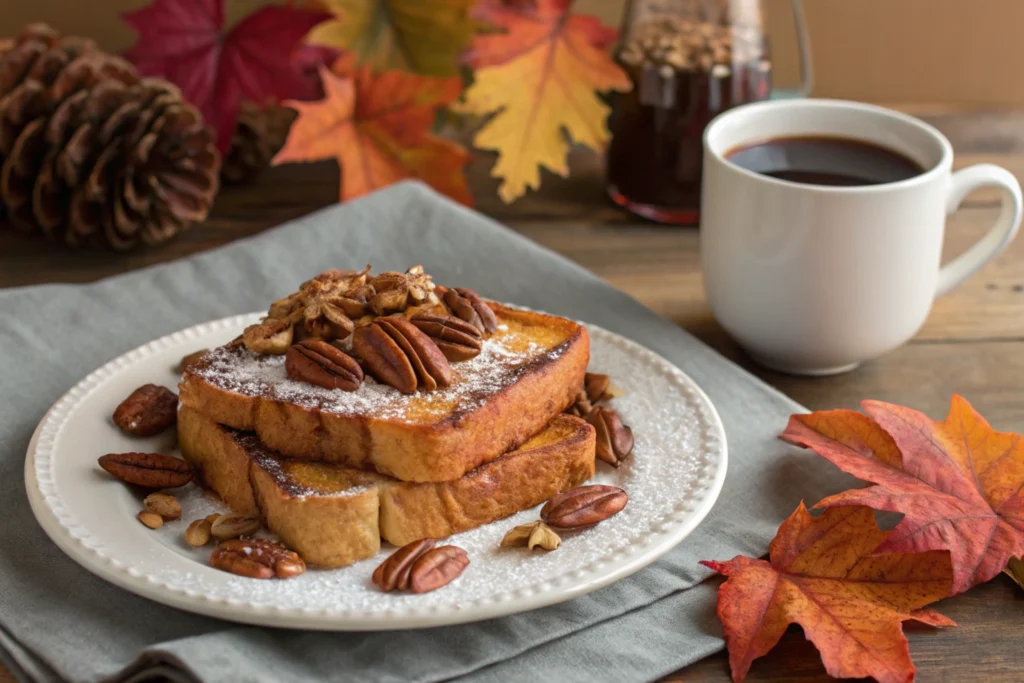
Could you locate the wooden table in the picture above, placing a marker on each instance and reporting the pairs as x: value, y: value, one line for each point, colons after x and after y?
x: 973, y: 342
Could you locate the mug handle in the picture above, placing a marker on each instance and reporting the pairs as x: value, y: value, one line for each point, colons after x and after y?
x: 964, y: 182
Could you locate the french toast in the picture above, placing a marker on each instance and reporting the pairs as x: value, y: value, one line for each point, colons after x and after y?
x: 334, y: 515
x: 528, y: 371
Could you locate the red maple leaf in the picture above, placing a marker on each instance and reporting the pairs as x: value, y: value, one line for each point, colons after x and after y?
x: 824, y: 574
x: 959, y: 483
x: 261, y: 58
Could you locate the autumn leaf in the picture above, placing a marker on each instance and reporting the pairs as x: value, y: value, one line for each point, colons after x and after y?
x: 377, y: 126
x: 260, y: 59
x: 1015, y: 570
x: 541, y: 78
x: 824, y: 575
x: 422, y: 36
x: 959, y: 483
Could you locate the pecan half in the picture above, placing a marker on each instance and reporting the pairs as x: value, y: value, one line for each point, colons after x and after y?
x: 257, y: 558
x: 148, y: 410
x: 324, y: 365
x: 596, y: 386
x: 437, y: 568
x: 457, y: 339
x: 149, y: 470
x: 614, y: 439
x: 582, y: 406
x: 393, y: 573
x: 192, y: 360
x: 467, y: 305
x: 583, y: 506
x: 395, y: 352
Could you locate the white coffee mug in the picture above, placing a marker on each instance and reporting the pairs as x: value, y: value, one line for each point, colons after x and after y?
x: 814, y: 279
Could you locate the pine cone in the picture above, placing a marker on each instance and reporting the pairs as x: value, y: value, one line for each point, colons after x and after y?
x: 259, y: 135
x: 92, y: 153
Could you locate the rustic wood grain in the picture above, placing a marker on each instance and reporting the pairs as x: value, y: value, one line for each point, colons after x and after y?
x: 972, y: 343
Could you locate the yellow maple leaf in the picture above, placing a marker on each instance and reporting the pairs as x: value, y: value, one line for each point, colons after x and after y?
x: 541, y: 78
x: 422, y: 36
x: 377, y: 126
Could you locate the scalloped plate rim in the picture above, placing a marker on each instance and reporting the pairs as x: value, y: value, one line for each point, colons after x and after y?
x: 230, y: 609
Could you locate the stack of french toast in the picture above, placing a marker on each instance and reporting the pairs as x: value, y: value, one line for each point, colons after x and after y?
x: 366, y: 408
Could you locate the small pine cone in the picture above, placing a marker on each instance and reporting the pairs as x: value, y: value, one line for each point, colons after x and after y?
x: 92, y: 153
x: 259, y: 135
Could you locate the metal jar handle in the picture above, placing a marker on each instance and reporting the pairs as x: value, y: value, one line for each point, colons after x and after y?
x: 803, y: 42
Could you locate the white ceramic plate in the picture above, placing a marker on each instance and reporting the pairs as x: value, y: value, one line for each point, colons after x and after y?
x: 673, y: 478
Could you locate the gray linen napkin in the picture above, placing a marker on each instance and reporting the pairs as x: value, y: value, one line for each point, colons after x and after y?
x: 58, y: 622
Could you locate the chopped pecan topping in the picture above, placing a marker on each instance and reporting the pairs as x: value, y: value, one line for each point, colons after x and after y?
x: 396, y: 292
x: 324, y: 365
x: 329, y: 306
x: 396, y: 353
x: 457, y: 339
x: 271, y: 336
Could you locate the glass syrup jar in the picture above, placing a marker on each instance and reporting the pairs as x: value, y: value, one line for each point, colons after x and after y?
x: 689, y: 60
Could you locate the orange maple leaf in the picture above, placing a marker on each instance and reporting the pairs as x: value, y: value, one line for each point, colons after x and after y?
x: 959, y: 483
x: 824, y: 575
x: 542, y: 76
x: 377, y: 126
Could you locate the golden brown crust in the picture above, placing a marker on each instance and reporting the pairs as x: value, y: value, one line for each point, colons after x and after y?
x: 442, y: 449
x: 334, y: 515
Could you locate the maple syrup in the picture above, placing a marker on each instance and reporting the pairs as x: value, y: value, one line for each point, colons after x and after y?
x: 689, y: 62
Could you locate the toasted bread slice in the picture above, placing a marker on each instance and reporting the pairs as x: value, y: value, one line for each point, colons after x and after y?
x: 529, y: 371
x: 334, y: 515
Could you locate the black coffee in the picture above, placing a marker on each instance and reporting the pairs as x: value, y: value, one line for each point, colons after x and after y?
x: 825, y: 161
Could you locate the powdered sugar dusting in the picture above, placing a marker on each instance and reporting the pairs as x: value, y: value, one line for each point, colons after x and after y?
x: 672, y: 478
x: 666, y: 473
x: 500, y: 363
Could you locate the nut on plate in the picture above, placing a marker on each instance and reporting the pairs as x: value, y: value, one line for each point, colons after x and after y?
x: 393, y: 573
x: 583, y: 506
x: 151, y: 519
x: 191, y: 360
x: 437, y: 568
x: 148, y: 470
x: 147, y: 411
x: 163, y: 504
x: 234, y: 525
x: 597, y: 387
x: 198, y: 533
x: 398, y: 354
x: 420, y: 567
x: 257, y: 558
x: 324, y: 365
x: 533, y: 535
x: 614, y: 439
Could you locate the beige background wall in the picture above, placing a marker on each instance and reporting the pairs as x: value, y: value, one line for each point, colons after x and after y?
x: 969, y: 51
